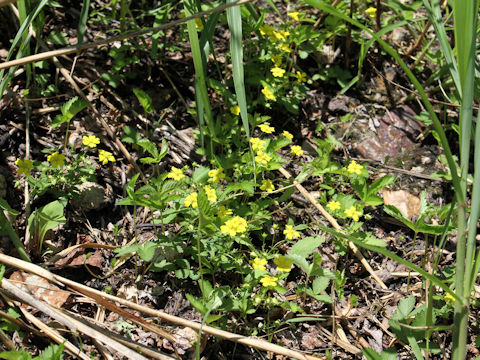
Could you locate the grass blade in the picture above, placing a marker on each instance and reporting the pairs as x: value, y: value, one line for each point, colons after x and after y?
x: 234, y: 18
x: 82, y: 24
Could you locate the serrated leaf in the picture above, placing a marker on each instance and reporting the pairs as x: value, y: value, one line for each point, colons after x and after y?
x: 145, y: 100
x: 69, y: 110
x: 131, y: 136
x: 147, y: 251
x: 245, y: 186
x: 320, y: 283
x: 200, y: 175
x: 304, y: 247
x: 404, y: 308
x: 149, y: 147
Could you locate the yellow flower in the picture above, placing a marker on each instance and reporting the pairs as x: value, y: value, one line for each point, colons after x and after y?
x: 296, y: 150
x: 287, y: 135
x: 266, y: 128
x: 259, y: 264
x: 267, y: 185
x: 281, y: 34
x: 234, y: 225
x: 191, y: 200
x: 262, y: 158
x: 235, y: 110
x: 290, y: 233
x: 301, y: 77
x: 333, y: 205
x: 175, y: 174
x: 285, y: 47
x: 283, y: 264
x: 24, y: 166
x: 257, y: 144
x: 449, y: 298
x: 90, y: 141
x: 216, y: 175
x: 223, y: 211
x: 56, y: 159
x: 353, y: 213
x: 353, y: 167
x: 268, y: 94
x: 277, y: 72
x: 372, y: 12
x: 268, y: 280
x: 276, y: 59
x: 211, y: 194
x: 198, y: 24
x: 266, y: 29
x: 295, y: 15
x: 105, y: 156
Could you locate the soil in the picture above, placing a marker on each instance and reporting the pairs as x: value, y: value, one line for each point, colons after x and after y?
x: 382, y: 132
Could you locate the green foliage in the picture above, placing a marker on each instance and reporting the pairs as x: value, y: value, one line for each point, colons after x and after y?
x: 52, y: 352
x: 46, y: 218
x: 71, y: 108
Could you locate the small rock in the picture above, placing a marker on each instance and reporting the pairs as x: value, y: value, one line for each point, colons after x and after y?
x: 92, y: 196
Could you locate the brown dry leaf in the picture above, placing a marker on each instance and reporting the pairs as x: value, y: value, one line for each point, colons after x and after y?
x: 407, y: 203
x: 77, y: 258
x: 40, y: 288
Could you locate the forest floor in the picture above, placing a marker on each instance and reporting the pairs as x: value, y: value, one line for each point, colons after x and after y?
x: 373, y: 123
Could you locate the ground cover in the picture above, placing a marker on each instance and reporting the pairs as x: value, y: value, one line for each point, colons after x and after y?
x: 265, y: 178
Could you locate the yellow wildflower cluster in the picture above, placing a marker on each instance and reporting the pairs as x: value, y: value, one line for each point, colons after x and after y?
x: 372, y: 12
x: 277, y: 71
x: 176, y: 174
x: 333, y: 205
x: 262, y: 158
x: 90, y: 140
x: 235, y: 110
x: 257, y: 144
x: 296, y: 150
x: 290, y: 233
x: 268, y: 280
x: 24, y: 166
x: 234, y: 225
x: 56, y: 159
x: 287, y: 135
x: 269, y: 95
x: 215, y: 175
x: 191, y: 200
x: 353, y: 213
x: 105, y: 156
x: 301, y: 77
x: 267, y: 185
x: 211, y: 194
x: 354, y: 168
x: 223, y: 211
x: 259, y: 264
x: 266, y: 128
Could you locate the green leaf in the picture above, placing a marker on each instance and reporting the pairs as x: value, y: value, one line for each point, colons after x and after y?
x: 397, y: 214
x: 5, y: 206
x: 319, y: 284
x: 404, y: 308
x: 15, y: 355
x: 131, y: 135
x: 145, y: 100
x: 69, y: 110
x: 52, y: 352
x: 147, y: 251
x: 148, y: 146
x: 245, y: 186
x: 47, y: 218
x: 304, y: 247
x: 200, y: 175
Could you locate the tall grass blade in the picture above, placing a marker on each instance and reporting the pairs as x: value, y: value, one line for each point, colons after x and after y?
x: 201, y: 93
x: 82, y: 24
x: 16, y: 41
x: 435, y: 16
x: 234, y: 18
